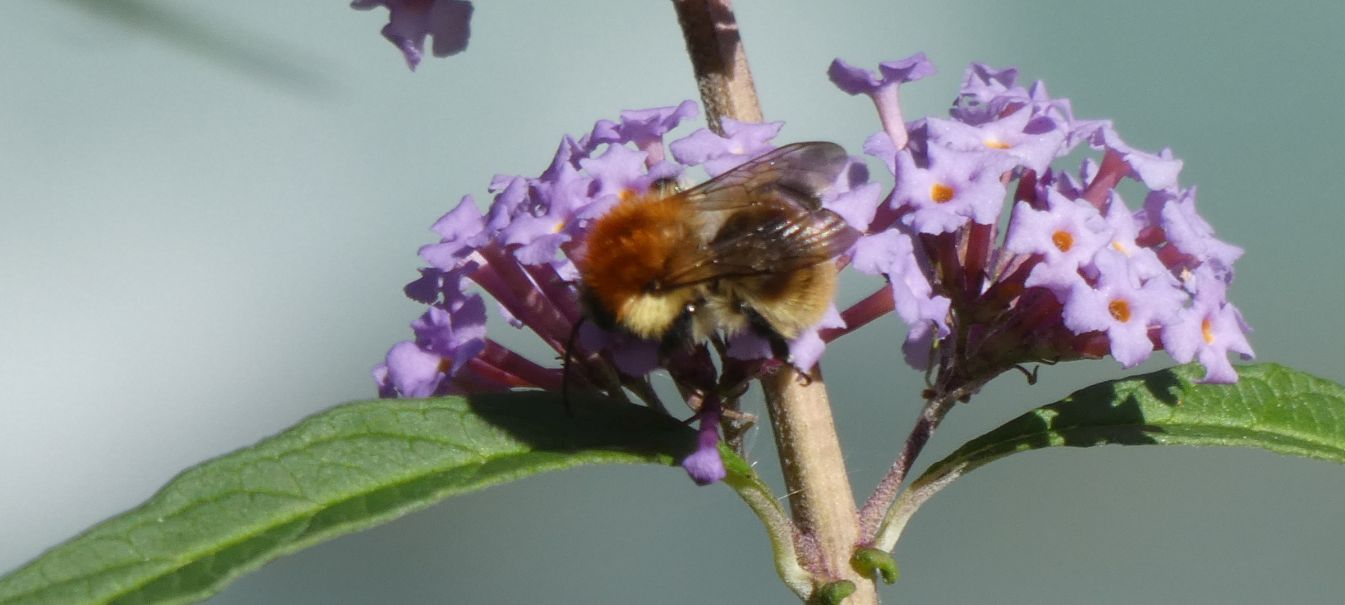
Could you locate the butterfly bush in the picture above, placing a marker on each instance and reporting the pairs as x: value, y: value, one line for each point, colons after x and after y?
x: 1072, y: 272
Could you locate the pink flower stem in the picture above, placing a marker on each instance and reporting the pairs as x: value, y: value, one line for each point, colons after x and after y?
x: 857, y: 315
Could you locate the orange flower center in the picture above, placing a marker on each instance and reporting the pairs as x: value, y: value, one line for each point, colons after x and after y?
x: 1207, y: 331
x: 997, y: 144
x: 941, y: 193
x: 1119, y: 309
x: 1063, y: 240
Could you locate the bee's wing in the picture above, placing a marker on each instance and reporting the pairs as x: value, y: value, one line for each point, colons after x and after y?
x: 798, y: 173
x: 783, y: 242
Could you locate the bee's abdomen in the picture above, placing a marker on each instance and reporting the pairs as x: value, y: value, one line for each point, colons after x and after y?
x: 791, y: 301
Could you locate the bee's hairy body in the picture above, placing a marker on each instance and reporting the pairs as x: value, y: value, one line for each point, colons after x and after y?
x: 677, y: 268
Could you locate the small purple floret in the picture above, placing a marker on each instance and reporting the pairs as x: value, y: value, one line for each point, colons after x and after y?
x: 411, y: 21
x: 855, y: 80
x: 883, y: 87
x: 705, y: 466
x: 719, y: 154
x: 409, y: 371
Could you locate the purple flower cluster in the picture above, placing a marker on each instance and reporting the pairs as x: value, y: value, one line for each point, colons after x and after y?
x: 520, y: 252
x: 411, y: 21
x: 1070, y: 273
x: 1073, y: 272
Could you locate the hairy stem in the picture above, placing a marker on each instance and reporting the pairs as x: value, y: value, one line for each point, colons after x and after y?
x: 889, y: 530
x: 877, y: 506
x: 820, y: 496
x: 821, y: 500
x: 719, y: 61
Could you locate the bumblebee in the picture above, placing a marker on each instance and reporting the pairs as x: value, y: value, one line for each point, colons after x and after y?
x: 752, y: 249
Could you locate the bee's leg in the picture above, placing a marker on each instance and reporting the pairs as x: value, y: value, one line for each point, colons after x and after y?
x: 565, y: 367
x: 595, y: 310
x: 679, y: 337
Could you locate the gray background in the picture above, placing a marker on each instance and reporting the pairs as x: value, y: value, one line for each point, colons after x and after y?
x: 209, y: 212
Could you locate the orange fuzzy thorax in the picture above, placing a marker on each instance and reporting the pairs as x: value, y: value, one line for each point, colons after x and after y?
x: 626, y: 255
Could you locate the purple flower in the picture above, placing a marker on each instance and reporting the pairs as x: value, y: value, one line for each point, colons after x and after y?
x: 1065, y: 236
x: 409, y: 371
x: 410, y: 21
x: 1031, y: 139
x: 645, y: 128
x: 1190, y: 241
x: 462, y: 229
x: 882, y: 88
x: 455, y: 332
x: 1123, y: 307
x: 882, y: 250
x: 892, y: 255
x: 704, y: 465
x: 807, y: 349
x: 1208, y: 329
x: 985, y: 93
x: 1157, y: 171
x: 718, y: 154
x: 857, y: 204
x: 855, y: 80
x: 949, y: 188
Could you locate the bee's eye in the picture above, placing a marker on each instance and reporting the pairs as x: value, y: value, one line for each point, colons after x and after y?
x: 653, y: 285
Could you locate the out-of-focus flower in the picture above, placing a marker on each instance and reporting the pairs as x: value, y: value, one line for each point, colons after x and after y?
x: 520, y: 252
x: 411, y: 21
x: 1074, y: 274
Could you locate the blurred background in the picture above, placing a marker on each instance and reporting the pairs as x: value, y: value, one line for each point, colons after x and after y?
x: 210, y: 209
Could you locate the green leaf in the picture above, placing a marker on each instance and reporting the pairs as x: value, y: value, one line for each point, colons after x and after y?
x: 1271, y: 407
x: 340, y: 471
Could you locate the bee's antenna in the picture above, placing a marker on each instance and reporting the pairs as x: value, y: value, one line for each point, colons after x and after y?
x: 565, y: 367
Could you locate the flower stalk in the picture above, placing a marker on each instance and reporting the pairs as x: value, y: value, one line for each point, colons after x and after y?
x: 719, y: 61
x: 820, y: 496
x: 883, y: 497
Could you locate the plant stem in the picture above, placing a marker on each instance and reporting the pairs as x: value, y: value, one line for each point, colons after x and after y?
x: 875, y: 509
x: 820, y: 496
x: 821, y: 500
x: 924, y: 488
x: 719, y: 61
